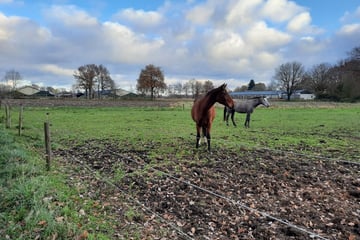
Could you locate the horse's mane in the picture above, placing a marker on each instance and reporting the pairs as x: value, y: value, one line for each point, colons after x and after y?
x: 208, y: 93
x: 212, y: 91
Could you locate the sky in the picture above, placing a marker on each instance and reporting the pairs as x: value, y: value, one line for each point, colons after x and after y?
x: 228, y: 41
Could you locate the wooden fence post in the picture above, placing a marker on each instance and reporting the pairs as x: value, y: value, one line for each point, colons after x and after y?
x: 7, y: 115
x: 21, y: 119
x: 47, y: 144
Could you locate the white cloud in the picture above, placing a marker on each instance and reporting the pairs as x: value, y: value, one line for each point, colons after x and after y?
x: 351, y: 16
x: 200, y: 14
x: 300, y: 23
x: 70, y: 15
x: 261, y: 36
x: 56, y: 70
x: 21, y: 40
x: 350, y: 29
x: 123, y: 45
x: 140, y: 17
x: 229, y: 40
x: 280, y: 10
x: 242, y: 13
x: 265, y: 60
x: 226, y: 45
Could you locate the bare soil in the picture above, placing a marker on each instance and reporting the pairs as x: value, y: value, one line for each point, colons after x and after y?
x: 223, y: 195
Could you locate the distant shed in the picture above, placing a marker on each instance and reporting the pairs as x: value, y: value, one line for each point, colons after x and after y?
x: 249, y: 94
x: 118, y: 93
x: 28, y: 90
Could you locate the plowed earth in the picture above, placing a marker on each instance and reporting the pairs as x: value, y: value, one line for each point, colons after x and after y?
x: 260, y: 194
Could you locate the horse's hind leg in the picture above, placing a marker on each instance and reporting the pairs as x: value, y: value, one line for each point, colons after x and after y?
x: 204, y: 134
x: 208, y: 139
x: 197, y: 136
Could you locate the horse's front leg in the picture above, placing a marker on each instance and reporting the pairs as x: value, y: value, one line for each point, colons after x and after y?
x: 247, y: 121
x: 232, y: 117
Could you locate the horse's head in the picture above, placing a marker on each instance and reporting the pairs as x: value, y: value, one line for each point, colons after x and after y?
x: 223, y: 96
x: 265, y: 102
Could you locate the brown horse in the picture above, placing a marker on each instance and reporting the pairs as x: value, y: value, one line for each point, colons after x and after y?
x: 203, y: 111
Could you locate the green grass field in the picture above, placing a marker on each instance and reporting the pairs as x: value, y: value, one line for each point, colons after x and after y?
x: 298, y: 127
x: 325, y: 130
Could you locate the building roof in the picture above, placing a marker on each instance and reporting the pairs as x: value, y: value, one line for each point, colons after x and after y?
x: 121, y: 92
x: 28, y: 90
x: 44, y: 93
x: 256, y: 93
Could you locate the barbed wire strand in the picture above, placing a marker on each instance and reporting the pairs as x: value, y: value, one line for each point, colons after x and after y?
x: 137, y: 202
x: 312, y: 234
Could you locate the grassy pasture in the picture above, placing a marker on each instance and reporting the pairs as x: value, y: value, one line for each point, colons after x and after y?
x: 329, y: 130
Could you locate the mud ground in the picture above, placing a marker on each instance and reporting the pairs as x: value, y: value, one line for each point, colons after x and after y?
x: 223, y: 195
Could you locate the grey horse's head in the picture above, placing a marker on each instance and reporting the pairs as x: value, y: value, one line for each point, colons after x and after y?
x: 265, y: 102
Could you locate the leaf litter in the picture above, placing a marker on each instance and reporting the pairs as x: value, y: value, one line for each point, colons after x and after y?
x: 201, y: 195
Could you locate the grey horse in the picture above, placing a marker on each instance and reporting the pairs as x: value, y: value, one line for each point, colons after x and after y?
x: 247, y: 107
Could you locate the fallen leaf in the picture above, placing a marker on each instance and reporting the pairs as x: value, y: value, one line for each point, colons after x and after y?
x: 42, y: 223
x: 83, y: 235
x: 352, y: 237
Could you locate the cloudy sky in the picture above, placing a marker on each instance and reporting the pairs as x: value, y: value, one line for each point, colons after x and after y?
x: 230, y: 41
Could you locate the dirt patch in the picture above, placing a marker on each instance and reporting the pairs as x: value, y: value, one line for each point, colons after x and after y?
x: 222, y: 195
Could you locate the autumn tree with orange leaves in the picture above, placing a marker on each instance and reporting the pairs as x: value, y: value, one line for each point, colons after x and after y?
x: 151, y: 81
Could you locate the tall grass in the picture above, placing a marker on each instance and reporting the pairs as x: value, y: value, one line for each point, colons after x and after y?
x: 28, y: 194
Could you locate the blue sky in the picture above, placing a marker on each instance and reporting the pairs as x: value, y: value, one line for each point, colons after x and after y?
x: 223, y: 41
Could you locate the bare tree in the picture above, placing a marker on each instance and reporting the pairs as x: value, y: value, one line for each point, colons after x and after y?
x: 151, y: 79
x: 243, y: 88
x: 199, y: 89
x: 354, y: 54
x: 12, y: 78
x: 178, y: 87
x: 86, y: 78
x: 4, y: 90
x: 186, y: 88
x: 318, y: 78
x: 90, y: 77
x: 208, y: 85
x: 290, y: 76
x: 259, y: 87
x: 273, y: 85
x: 104, y: 81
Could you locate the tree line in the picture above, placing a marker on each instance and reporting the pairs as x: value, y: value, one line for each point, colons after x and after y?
x: 337, y: 82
